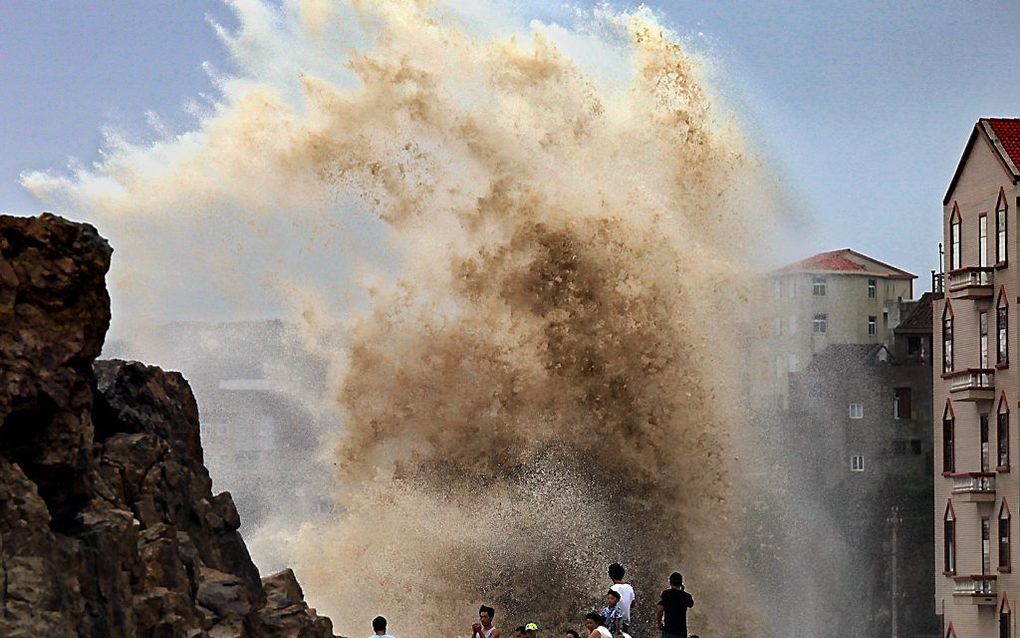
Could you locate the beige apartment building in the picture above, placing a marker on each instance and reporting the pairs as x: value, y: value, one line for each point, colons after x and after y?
x: 977, y: 390
x: 835, y: 297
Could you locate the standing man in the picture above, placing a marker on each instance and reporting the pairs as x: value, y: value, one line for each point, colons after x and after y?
x: 379, y: 627
x: 622, y: 587
x: 674, y: 604
x: 483, y: 628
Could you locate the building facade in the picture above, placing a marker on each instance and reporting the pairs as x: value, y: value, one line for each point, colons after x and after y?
x: 835, y: 297
x: 977, y: 388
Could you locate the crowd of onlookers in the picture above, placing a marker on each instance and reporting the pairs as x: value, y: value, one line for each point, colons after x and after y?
x: 612, y: 621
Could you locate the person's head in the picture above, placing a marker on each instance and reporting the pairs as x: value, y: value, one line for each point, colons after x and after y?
x: 379, y: 625
x: 570, y: 633
x: 616, y: 571
x: 486, y: 614
x: 519, y: 632
x: 676, y: 579
x: 593, y: 620
x: 612, y: 597
x: 531, y: 629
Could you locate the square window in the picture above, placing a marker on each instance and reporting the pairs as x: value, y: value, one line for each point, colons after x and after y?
x: 857, y: 463
x: 856, y: 410
x: 820, y: 323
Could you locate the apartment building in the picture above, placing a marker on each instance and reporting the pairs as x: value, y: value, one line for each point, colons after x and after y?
x: 835, y: 297
x: 977, y: 389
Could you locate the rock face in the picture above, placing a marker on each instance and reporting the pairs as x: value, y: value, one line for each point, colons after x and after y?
x: 108, y: 524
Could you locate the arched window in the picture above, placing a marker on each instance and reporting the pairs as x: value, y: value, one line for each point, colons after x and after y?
x: 1004, y: 613
x: 948, y: 443
x: 1004, y: 537
x: 954, y: 239
x: 1002, y: 435
x: 1001, y: 210
x: 947, y: 339
x: 1002, y: 329
x: 949, y: 540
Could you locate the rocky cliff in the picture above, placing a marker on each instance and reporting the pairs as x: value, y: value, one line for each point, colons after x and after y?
x: 108, y: 524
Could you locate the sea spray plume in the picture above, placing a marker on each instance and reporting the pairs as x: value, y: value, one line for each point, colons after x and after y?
x: 542, y: 388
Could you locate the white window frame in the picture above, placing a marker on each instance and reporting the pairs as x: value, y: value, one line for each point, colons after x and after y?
x: 872, y: 326
x: 872, y: 289
x: 856, y: 410
x: 857, y: 463
x: 820, y: 323
x: 818, y: 286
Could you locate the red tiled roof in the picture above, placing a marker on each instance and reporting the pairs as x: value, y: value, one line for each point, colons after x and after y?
x: 832, y: 260
x: 1008, y: 132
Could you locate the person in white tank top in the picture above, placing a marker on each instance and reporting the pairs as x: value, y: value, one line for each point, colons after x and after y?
x: 593, y: 622
x: 484, y: 627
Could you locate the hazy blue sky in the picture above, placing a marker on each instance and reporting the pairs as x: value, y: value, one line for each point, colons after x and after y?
x: 864, y: 108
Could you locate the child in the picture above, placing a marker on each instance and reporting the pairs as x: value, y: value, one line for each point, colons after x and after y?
x: 613, y: 613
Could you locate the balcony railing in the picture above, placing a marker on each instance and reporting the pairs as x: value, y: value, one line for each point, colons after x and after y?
x: 977, y: 586
x: 972, y: 384
x: 974, y: 483
x: 972, y: 282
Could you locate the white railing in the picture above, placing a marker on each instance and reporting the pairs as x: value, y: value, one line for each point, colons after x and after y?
x: 980, y: 379
x: 974, y: 482
x: 974, y: 586
x: 971, y: 276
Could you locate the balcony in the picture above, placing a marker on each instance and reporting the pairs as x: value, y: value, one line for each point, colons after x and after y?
x: 979, y: 588
x: 974, y: 487
x: 972, y: 282
x: 973, y: 384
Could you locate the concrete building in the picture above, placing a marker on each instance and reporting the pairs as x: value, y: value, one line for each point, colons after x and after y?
x: 836, y: 297
x: 976, y: 387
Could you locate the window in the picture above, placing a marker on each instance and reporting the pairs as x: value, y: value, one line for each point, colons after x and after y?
x: 818, y: 286
x: 1002, y: 329
x: 983, y: 240
x: 949, y: 540
x: 954, y: 239
x: 1004, y: 521
x: 915, y: 447
x: 1002, y: 434
x: 1000, y: 228
x: 872, y: 326
x: 947, y: 339
x: 872, y: 289
x: 819, y: 324
x: 856, y: 410
x: 901, y: 404
x: 983, y: 340
x: 948, y: 444
x: 984, y: 449
x: 1004, y: 614
x: 986, y: 546
x: 857, y: 463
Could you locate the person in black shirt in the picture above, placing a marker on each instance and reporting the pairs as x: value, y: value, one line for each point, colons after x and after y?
x: 671, y: 612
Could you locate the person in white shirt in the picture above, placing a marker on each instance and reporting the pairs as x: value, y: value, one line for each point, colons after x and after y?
x: 379, y: 627
x: 484, y: 628
x: 622, y: 587
x: 594, y: 623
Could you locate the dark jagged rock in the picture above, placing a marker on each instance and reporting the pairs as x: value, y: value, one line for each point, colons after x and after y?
x: 108, y: 524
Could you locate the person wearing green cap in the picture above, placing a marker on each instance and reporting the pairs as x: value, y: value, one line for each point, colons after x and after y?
x: 531, y: 629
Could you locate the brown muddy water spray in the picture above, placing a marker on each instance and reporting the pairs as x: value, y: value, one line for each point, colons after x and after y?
x: 543, y: 377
